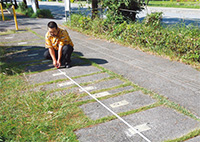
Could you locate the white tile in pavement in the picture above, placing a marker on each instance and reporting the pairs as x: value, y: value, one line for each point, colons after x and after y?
x: 101, y: 94
x: 65, y: 83
x: 139, y: 128
x: 21, y: 43
x: 120, y: 103
x: 89, y: 88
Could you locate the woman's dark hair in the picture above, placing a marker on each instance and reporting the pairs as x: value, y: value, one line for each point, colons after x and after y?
x: 52, y: 25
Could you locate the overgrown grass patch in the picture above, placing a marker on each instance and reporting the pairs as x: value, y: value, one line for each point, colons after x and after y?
x: 177, y: 4
x: 31, y: 116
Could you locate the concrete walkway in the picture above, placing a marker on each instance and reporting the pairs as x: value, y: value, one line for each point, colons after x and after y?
x: 178, y: 83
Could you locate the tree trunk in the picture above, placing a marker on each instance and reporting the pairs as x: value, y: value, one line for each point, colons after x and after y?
x: 94, y: 8
x: 24, y: 1
x: 37, y: 4
x: 15, y: 4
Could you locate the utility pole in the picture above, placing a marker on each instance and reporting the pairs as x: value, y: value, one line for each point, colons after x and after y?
x: 68, y: 9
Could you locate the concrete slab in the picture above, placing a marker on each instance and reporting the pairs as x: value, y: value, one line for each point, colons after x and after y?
x: 74, y: 71
x: 133, y: 100
x: 44, y: 77
x: 18, y: 48
x: 28, y: 42
x: 80, y: 70
x: 19, y: 37
x: 39, y: 67
x: 26, y: 55
x: 110, y: 92
x: 165, y: 124
x: 195, y: 139
x: 69, y: 83
x: 40, y: 30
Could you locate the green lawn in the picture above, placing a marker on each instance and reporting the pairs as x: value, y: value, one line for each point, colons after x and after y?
x: 195, y: 5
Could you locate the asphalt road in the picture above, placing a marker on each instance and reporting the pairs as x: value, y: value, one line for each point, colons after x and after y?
x: 170, y: 15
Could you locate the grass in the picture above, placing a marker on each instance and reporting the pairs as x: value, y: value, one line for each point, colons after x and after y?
x: 188, y: 4
x: 27, y: 115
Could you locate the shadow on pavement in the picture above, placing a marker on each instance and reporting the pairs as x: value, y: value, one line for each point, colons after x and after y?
x: 21, y: 59
x: 95, y: 60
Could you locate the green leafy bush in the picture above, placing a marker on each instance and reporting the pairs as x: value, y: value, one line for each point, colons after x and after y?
x: 8, y: 5
x: 22, y: 6
x: 120, y: 10
x: 41, y: 13
x: 44, y: 13
x: 153, y: 19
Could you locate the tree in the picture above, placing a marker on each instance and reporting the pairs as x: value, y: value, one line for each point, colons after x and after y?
x: 120, y: 10
x: 25, y: 3
x: 15, y: 4
x: 94, y: 8
x: 37, y: 4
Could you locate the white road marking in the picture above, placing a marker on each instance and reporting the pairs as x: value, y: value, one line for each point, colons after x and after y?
x: 20, y: 43
x: 57, y: 74
x: 65, y: 83
x: 140, y: 128
x: 8, y: 37
x: 101, y: 94
x: 89, y: 88
x: 119, y: 104
x: 120, y: 118
x: 30, y: 55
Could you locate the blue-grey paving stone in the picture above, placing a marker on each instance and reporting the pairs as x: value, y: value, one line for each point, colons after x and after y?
x: 18, y: 37
x: 96, y: 86
x: 195, y: 139
x: 18, y: 48
x: 39, y: 67
x: 24, y: 56
x: 113, y: 91
x: 85, y: 79
x: 165, y: 124
x: 40, y: 31
x: 81, y: 48
x: 73, y: 71
x: 107, y: 84
x: 45, y: 76
x: 80, y: 70
x: 77, y: 61
x: 92, y: 78
x: 135, y: 100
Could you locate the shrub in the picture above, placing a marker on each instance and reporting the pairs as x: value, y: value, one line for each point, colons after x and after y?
x: 22, y: 6
x: 8, y: 5
x: 117, y: 9
x: 153, y: 19
x: 44, y: 13
x: 41, y: 13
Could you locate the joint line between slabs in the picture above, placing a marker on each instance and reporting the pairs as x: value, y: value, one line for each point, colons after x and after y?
x: 121, y: 119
